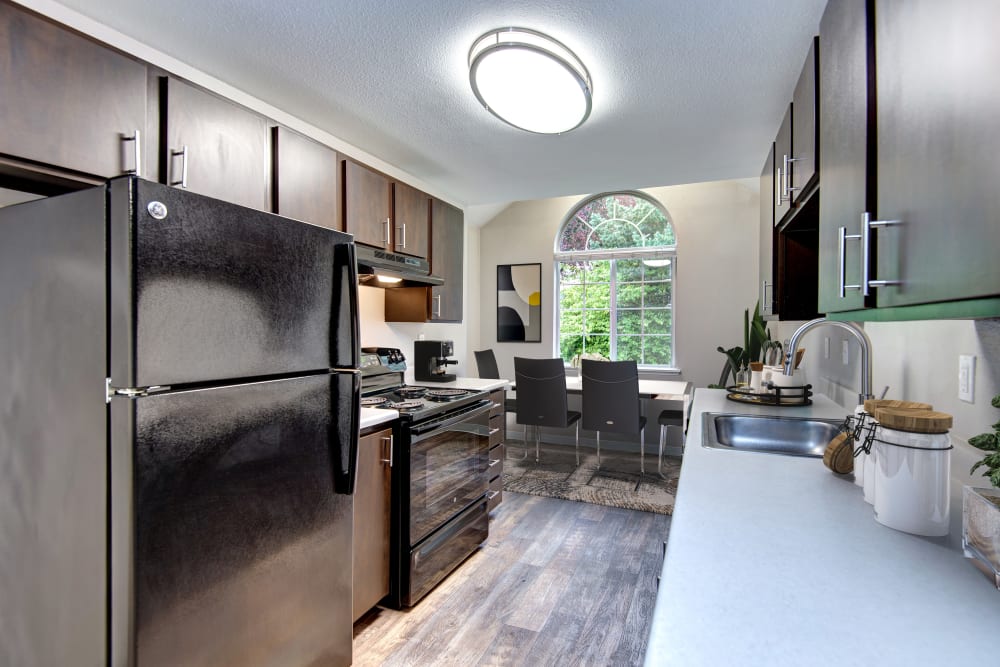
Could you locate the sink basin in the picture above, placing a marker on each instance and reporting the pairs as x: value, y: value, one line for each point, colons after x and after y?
x: 790, y: 436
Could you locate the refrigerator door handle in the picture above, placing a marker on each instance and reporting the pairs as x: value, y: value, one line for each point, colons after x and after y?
x: 345, y: 441
x: 345, y: 306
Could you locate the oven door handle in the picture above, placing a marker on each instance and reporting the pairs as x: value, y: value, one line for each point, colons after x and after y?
x: 428, y: 429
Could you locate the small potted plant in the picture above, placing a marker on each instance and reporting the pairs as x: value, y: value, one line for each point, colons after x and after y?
x: 981, y: 506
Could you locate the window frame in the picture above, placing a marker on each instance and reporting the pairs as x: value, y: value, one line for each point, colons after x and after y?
x: 613, y: 254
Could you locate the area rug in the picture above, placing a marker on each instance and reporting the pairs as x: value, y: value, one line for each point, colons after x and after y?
x: 616, y: 484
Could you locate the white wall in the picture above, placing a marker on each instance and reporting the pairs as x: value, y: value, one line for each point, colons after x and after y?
x: 716, y: 226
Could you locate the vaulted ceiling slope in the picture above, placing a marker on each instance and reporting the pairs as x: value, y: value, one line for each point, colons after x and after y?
x: 684, y: 90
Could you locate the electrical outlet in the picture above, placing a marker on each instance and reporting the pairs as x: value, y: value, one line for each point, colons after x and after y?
x: 845, y: 352
x: 966, y: 378
x: 826, y: 347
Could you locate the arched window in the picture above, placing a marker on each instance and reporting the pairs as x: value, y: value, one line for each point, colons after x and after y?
x: 616, y: 255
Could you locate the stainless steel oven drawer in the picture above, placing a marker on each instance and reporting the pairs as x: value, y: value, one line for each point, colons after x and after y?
x: 445, y: 549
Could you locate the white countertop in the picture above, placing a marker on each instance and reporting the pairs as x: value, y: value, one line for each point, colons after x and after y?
x: 375, y: 416
x: 774, y: 560
x: 480, y: 384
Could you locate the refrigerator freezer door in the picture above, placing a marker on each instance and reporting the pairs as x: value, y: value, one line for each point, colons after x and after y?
x: 242, y: 551
x: 218, y: 291
x: 53, y: 432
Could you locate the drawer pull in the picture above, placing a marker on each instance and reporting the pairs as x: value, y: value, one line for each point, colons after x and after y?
x: 492, y: 494
x: 493, y: 462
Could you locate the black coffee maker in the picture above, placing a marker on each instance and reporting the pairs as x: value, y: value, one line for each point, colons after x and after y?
x: 430, y: 360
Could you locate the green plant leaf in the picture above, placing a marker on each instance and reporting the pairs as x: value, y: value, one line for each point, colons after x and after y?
x: 996, y: 401
x: 984, y: 441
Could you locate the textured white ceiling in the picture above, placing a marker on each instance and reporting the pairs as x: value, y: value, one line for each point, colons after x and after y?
x: 684, y: 90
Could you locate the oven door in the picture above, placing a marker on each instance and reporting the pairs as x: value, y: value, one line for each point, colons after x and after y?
x: 449, y: 459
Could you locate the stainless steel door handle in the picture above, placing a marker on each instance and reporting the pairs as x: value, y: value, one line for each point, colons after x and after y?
x: 843, y: 237
x: 437, y: 312
x: 866, y: 233
x: 388, y: 460
x: 183, y: 154
x: 386, y: 226
x: 136, y: 138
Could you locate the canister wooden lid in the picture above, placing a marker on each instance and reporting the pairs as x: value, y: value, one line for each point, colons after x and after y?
x: 914, y: 421
x: 873, y: 404
x: 839, y: 454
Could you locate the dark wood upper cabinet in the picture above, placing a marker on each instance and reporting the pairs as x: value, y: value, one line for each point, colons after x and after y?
x: 805, y: 164
x: 411, y: 214
x: 213, y: 146
x: 447, y: 254
x: 367, y: 205
x: 938, y: 134
x: 67, y: 101
x: 782, y: 155
x: 442, y: 303
x: 384, y: 213
x: 766, y: 236
x: 846, y: 158
x: 909, y: 138
x: 305, y: 179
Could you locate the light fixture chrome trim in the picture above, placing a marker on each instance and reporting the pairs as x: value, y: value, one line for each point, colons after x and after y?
x: 525, y: 39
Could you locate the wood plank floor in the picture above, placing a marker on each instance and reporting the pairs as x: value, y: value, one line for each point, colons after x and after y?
x: 557, y: 583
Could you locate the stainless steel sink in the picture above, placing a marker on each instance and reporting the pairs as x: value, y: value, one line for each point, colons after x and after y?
x: 790, y: 436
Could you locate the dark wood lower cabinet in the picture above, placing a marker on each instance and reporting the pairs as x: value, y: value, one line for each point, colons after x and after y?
x: 372, y: 497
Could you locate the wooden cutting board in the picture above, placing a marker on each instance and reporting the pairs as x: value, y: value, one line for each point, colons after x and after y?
x: 873, y: 404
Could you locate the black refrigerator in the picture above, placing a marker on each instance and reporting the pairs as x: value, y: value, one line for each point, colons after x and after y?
x: 179, y: 405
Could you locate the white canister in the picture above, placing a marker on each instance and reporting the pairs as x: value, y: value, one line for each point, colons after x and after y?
x: 865, y: 463
x: 912, y: 479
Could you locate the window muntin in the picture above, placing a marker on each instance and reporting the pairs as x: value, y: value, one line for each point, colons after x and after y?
x: 616, y: 258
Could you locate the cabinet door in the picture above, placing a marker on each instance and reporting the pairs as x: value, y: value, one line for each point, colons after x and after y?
x: 938, y: 141
x: 782, y: 155
x: 306, y: 186
x: 847, y: 152
x: 226, y: 154
x: 766, y: 252
x: 367, y: 206
x: 411, y: 209
x: 447, y: 247
x: 804, y: 169
x: 67, y: 101
x: 371, y: 521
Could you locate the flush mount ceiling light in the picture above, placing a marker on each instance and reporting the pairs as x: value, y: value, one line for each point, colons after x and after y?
x: 530, y: 80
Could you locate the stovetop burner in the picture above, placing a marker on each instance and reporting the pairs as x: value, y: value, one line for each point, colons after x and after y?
x: 373, y: 401
x: 411, y: 392
x: 403, y: 405
x: 445, y: 394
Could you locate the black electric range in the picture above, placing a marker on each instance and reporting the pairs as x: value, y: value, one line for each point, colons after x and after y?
x: 440, y: 462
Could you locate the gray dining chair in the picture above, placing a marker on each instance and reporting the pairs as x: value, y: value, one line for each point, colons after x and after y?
x: 541, y: 398
x: 611, y: 402
x: 669, y: 421
x: 486, y: 364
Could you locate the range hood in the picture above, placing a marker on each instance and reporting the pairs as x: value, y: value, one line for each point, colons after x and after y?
x: 411, y: 271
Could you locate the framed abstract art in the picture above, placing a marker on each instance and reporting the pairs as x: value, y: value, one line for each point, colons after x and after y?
x: 519, y: 303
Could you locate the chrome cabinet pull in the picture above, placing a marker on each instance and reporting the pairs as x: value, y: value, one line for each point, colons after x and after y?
x: 385, y: 231
x: 183, y: 154
x: 437, y: 312
x: 765, y: 305
x: 136, y: 138
x: 493, y: 462
x: 492, y: 494
x: 494, y: 431
x: 402, y: 227
x: 843, y: 237
x: 866, y: 233
x: 388, y: 460
x: 786, y: 182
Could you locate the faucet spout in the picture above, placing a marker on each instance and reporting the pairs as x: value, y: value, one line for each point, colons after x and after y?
x: 859, y: 335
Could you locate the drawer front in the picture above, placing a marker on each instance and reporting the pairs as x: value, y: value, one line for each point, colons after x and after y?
x: 495, y: 494
x: 497, y: 428
x: 498, y: 401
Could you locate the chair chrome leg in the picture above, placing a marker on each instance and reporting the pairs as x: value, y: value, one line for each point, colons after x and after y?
x: 598, y: 450
x: 642, y: 452
x: 537, y: 429
x: 524, y: 443
x: 578, y: 444
x: 659, y: 458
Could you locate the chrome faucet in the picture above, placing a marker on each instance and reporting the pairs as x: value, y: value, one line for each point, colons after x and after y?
x: 859, y: 334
